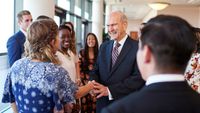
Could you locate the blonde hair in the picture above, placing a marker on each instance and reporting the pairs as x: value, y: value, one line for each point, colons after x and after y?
x: 39, y: 37
x: 21, y: 14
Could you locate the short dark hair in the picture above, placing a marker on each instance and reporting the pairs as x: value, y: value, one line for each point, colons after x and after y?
x: 171, y: 39
x: 63, y: 26
x: 43, y: 17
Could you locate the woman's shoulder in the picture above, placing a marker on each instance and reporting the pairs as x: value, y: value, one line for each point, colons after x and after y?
x: 20, y: 63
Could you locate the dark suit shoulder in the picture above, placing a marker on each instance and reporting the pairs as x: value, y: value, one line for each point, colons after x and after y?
x: 120, y: 106
x: 17, y: 36
x: 175, y: 97
x: 104, y: 45
x: 130, y: 40
x: 107, y: 42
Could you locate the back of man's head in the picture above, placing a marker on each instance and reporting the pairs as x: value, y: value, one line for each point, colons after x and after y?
x: 43, y: 17
x: 171, y: 40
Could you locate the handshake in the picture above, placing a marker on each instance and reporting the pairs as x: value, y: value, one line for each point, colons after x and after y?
x: 97, y: 89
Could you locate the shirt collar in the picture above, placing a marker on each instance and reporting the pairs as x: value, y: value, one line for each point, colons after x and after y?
x: 164, y: 78
x: 24, y: 32
x: 122, y: 41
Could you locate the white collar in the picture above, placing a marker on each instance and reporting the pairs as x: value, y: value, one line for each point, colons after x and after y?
x: 164, y: 78
x: 122, y: 41
x: 24, y: 32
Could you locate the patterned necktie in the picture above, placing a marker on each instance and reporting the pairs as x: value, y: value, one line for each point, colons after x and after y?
x: 115, y: 53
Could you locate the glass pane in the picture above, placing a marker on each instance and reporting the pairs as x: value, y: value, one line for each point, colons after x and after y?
x: 7, y: 21
x: 86, y: 15
x: 77, y: 8
x: 77, y: 11
x: 65, y: 4
x: 6, y: 30
x: 67, y: 17
x: 57, y: 20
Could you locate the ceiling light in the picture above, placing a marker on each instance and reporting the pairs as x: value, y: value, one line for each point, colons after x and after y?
x: 159, y: 5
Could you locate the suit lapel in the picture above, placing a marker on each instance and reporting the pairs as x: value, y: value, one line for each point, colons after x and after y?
x: 123, y: 53
x: 109, y: 55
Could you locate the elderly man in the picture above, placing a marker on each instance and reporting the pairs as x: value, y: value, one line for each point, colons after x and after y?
x: 165, y: 47
x: 116, y: 68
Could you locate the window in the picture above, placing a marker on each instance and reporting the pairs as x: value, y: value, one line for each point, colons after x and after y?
x: 57, y: 20
x: 6, y: 30
x: 65, y: 4
x: 6, y: 22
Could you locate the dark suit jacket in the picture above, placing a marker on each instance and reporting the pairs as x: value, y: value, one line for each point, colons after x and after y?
x: 123, y: 78
x: 15, y: 46
x: 166, y: 97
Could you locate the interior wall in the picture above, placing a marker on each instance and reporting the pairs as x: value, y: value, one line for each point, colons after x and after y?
x: 40, y: 7
x: 199, y: 17
x: 189, y: 13
x: 150, y: 15
x: 134, y: 25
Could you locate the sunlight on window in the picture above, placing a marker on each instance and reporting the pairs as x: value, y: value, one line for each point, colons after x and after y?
x: 86, y: 15
x: 77, y: 11
x: 6, y: 30
x: 67, y: 17
x: 64, y: 4
x: 6, y: 22
x: 57, y: 20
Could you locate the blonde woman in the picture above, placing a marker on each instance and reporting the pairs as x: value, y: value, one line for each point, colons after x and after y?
x: 37, y: 83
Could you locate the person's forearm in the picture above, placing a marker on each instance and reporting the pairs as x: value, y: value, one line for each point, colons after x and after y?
x: 83, y: 90
x: 14, y: 107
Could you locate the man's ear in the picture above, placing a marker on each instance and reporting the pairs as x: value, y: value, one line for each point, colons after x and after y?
x: 125, y: 25
x: 147, y: 54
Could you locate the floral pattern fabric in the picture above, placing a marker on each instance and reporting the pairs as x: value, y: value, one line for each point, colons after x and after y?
x: 38, y: 87
x: 192, y: 73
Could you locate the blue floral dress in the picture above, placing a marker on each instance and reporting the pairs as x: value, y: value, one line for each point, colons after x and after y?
x: 38, y: 87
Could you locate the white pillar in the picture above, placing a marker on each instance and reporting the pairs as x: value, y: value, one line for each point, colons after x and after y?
x: 108, y: 11
x: 97, y: 19
x: 40, y: 7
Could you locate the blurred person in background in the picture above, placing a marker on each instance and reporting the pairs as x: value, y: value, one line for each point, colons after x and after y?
x: 88, y: 56
x: 15, y: 44
x: 192, y: 73
x: 73, y: 37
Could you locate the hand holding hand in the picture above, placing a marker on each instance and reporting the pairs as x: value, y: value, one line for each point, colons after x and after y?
x: 100, y: 89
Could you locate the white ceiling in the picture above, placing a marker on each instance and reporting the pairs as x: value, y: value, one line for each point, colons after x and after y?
x: 137, y: 9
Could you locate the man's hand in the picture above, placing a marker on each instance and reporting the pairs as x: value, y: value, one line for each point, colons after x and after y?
x: 100, y: 89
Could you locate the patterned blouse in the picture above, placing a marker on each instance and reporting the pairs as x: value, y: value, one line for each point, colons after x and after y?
x: 192, y: 73
x: 38, y: 87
